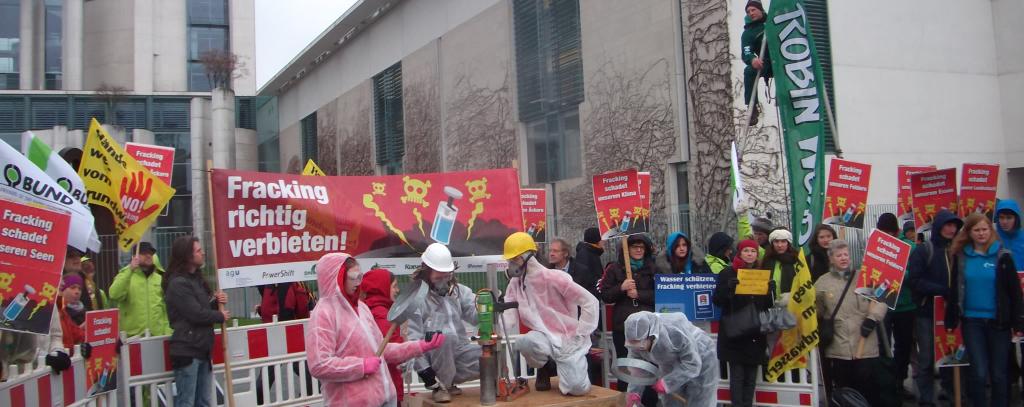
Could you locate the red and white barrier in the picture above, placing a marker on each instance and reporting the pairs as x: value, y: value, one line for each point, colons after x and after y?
x: 40, y: 387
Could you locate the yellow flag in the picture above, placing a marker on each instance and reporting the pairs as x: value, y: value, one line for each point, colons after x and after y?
x: 794, y: 344
x: 312, y: 169
x: 116, y: 181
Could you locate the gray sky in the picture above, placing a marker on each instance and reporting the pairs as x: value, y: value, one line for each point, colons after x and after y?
x: 285, y: 28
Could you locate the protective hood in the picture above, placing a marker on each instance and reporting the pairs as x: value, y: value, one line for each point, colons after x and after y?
x: 941, y: 219
x: 376, y: 286
x: 641, y: 325
x: 327, y: 269
x: 670, y: 245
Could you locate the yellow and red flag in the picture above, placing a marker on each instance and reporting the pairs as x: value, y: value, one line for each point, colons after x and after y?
x: 796, y: 343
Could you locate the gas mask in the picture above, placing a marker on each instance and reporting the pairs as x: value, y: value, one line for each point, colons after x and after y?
x: 352, y: 278
x: 441, y: 286
x: 519, y: 270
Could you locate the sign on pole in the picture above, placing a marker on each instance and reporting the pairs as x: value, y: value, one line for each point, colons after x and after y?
x: 535, y: 216
x: 883, y: 268
x: 978, y: 189
x: 618, y: 204
x: 101, y: 332
x: 932, y: 192
x: 949, y: 344
x: 904, y: 198
x: 846, y: 196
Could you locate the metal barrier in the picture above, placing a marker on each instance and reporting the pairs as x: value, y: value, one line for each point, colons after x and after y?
x: 35, y: 385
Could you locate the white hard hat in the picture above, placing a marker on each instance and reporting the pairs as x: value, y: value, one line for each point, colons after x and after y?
x: 438, y: 257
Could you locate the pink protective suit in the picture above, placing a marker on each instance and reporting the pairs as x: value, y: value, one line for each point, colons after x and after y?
x: 339, y: 338
x: 548, y: 301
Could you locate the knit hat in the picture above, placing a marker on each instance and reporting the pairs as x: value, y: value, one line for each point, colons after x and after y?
x: 763, y: 225
x: 888, y: 224
x: 781, y: 234
x: 592, y: 236
x: 718, y: 243
x: 754, y: 3
x: 747, y: 243
x: 70, y: 280
x: 908, y: 226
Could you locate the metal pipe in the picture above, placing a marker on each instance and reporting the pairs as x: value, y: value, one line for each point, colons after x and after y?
x: 488, y: 376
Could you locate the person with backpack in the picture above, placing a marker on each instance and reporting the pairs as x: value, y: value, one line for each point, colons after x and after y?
x: 986, y: 300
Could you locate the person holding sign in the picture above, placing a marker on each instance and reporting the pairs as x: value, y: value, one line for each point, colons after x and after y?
x: 342, y: 340
x: 684, y: 353
x: 745, y: 354
x: 987, y: 299
x: 854, y: 344
x: 781, y: 260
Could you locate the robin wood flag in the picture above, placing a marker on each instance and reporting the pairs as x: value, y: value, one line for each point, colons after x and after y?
x: 116, y: 181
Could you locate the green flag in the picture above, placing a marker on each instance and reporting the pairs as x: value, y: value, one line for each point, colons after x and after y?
x: 799, y: 92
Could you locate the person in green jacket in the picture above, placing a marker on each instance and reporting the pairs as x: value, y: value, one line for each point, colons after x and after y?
x: 719, y: 252
x: 753, y: 36
x: 138, y: 293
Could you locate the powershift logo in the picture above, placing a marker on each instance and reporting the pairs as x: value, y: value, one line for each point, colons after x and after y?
x: 40, y: 188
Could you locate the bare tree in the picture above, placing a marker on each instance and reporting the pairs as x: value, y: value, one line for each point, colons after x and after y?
x: 111, y: 96
x: 354, y: 143
x: 481, y: 133
x: 327, y: 139
x: 422, y: 115
x: 221, y: 67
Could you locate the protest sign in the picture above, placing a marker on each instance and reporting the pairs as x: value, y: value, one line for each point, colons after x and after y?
x: 312, y: 169
x: 949, y: 345
x: 881, y: 272
x: 978, y: 189
x: 618, y: 204
x: 32, y: 248
x: 932, y: 192
x: 846, y: 194
x: 159, y: 160
x: 272, y: 228
x: 101, y: 331
x: 752, y: 282
x: 535, y: 216
x: 687, y: 293
x: 644, y: 178
x: 904, y: 199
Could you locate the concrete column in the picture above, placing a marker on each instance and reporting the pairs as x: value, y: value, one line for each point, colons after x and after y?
x: 223, y: 123
x: 26, y: 59
x: 143, y: 46
x: 60, y: 138
x: 199, y: 125
x: 73, y: 34
x: 116, y: 132
x: 143, y: 136
x: 246, y: 150
x: 76, y: 138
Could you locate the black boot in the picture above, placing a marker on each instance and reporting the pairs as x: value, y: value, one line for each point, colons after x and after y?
x: 544, y: 374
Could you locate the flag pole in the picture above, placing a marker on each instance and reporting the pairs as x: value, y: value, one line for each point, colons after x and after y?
x: 831, y: 121
x: 229, y: 386
x: 749, y: 112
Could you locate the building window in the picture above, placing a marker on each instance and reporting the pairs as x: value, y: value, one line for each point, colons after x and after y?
x: 10, y: 43
x: 207, y: 30
x: 817, y: 19
x: 387, y: 119
x: 53, y: 48
x: 267, y: 133
x: 179, y: 209
x: 309, y: 149
x: 549, y: 72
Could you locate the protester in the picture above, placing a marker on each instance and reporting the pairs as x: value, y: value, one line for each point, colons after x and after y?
x: 899, y: 323
x: 987, y: 301
x: 745, y: 354
x: 781, y: 260
x: 588, y: 256
x: 138, y: 291
x: 855, y: 343
x: 818, y: 260
x: 719, y: 252
x: 449, y: 306
x: 559, y: 257
x: 928, y: 275
x: 751, y: 40
x: 678, y: 257
x: 909, y: 233
x: 379, y: 289
x: 288, y: 301
x: 72, y: 310
x: 1007, y: 217
x: 73, y: 265
x: 560, y: 314
x: 96, y: 296
x: 684, y: 354
x: 192, y: 311
x: 341, y: 340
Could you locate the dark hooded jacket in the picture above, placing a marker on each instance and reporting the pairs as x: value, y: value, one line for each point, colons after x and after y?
x: 615, y: 274
x: 688, y: 266
x: 192, y: 312
x: 930, y: 276
x: 818, y: 260
x: 750, y: 349
x: 587, y: 267
x: 1014, y: 239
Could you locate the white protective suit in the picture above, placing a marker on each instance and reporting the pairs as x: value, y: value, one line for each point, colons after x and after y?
x: 458, y: 361
x: 548, y: 301
x: 684, y: 353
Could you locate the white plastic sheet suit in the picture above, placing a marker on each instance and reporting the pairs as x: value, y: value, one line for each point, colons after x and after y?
x: 685, y: 356
x: 458, y: 361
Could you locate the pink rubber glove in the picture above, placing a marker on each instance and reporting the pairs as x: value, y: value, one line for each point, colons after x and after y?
x: 434, y: 343
x: 659, y: 387
x: 633, y: 400
x: 370, y: 366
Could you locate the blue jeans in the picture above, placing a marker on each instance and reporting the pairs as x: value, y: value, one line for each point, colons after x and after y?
x: 987, y: 347
x: 924, y: 333
x: 193, y: 383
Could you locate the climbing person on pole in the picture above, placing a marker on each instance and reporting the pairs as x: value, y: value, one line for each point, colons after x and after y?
x: 448, y: 307
x: 685, y: 355
x: 757, y: 66
x: 342, y: 340
x: 561, y: 316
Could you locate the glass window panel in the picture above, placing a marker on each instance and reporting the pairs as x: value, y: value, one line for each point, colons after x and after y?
x: 208, y: 12
x: 197, y: 79
x: 202, y: 39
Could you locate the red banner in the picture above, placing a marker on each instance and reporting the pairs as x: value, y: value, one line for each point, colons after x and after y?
x: 535, y: 213
x: 978, y: 189
x: 932, y: 192
x: 159, y: 160
x: 101, y: 367
x: 846, y: 195
x: 33, y: 243
x: 949, y: 345
x: 904, y: 198
x: 617, y: 200
x: 881, y: 272
x: 272, y: 228
x: 645, y: 198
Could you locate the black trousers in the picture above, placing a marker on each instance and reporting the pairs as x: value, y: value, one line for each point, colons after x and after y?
x: 742, y: 381
x: 858, y: 375
x: 901, y: 325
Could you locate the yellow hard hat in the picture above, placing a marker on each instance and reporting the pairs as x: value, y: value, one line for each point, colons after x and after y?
x: 518, y: 243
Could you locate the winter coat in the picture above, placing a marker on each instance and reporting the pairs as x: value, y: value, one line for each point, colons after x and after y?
x: 751, y: 39
x: 611, y: 288
x: 854, y: 310
x: 1007, y: 288
x: 818, y: 261
x: 376, y: 287
x: 930, y: 276
x: 905, y: 301
x: 294, y: 297
x: 192, y: 311
x: 690, y: 266
x: 1014, y: 239
x: 140, y: 300
x: 339, y: 337
x: 73, y: 332
x: 588, y: 267
x: 750, y: 349
x: 782, y: 268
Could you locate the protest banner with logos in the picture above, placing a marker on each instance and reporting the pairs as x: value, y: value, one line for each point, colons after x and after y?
x: 846, y: 194
x: 535, y: 216
x: 690, y: 294
x: 33, y: 244
x: 618, y: 204
x: 904, y: 199
x: 932, y: 192
x: 272, y: 228
x: 101, y: 332
x: 978, y: 189
x: 949, y: 345
x: 882, y: 270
